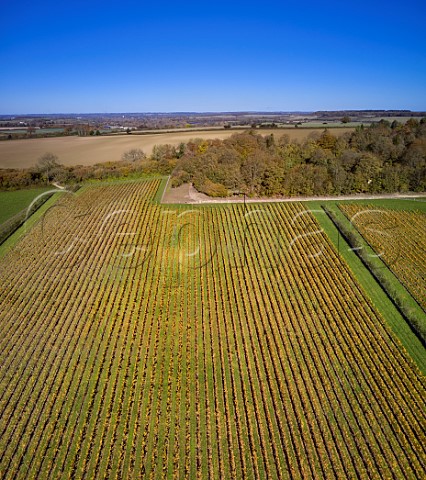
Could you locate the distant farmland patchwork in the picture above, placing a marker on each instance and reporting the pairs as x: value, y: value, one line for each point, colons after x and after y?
x: 140, y: 340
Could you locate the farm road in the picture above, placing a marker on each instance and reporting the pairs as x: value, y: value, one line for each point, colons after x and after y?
x: 187, y: 194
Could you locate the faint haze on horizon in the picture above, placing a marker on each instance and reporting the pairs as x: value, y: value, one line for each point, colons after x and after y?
x: 104, y: 57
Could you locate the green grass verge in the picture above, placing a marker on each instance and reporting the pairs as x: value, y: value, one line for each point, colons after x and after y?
x: 24, y: 229
x: 375, y: 292
x: 160, y: 191
x: 390, y: 282
x: 12, y: 202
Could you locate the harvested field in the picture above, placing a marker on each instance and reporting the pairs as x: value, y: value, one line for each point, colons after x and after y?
x: 92, y: 150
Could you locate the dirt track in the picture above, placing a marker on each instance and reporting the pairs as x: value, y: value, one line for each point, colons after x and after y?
x: 92, y: 150
x: 188, y: 194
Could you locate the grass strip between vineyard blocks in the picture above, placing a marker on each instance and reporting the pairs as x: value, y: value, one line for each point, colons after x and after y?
x: 398, y: 294
x: 403, y: 251
x: 158, y: 197
x: 379, y: 297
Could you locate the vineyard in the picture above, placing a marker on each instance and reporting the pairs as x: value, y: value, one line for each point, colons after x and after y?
x: 145, y: 341
x: 398, y: 237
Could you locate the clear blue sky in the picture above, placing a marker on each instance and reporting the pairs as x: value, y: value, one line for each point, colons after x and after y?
x: 162, y: 56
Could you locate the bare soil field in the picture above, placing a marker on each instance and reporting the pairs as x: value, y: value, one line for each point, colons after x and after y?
x: 92, y: 150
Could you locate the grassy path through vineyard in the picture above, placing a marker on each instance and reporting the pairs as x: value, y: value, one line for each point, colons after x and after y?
x: 398, y: 238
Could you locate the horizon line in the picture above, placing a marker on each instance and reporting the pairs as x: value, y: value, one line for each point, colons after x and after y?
x: 223, y: 112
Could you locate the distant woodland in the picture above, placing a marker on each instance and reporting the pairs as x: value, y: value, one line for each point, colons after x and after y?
x: 383, y: 157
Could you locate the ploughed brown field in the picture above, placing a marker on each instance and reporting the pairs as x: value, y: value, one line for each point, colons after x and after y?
x: 92, y: 150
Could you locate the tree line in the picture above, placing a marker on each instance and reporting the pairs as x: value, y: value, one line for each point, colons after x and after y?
x: 48, y: 169
x: 384, y: 157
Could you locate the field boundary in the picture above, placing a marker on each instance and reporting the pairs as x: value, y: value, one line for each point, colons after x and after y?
x: 358, y: 243
x: 12, y: 224
x: 27, y: 223
x: 158, y: 197
x: 392, y: 274
x: 194, y: 197
x: 375, y: 291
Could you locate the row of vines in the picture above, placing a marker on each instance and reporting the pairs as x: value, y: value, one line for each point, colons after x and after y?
x: 398, y: 237
x: 141, y: 341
